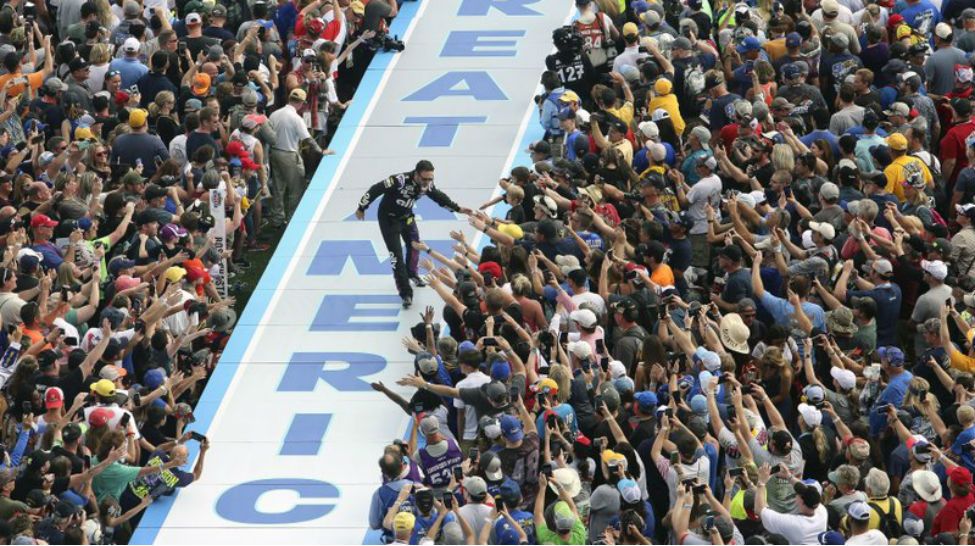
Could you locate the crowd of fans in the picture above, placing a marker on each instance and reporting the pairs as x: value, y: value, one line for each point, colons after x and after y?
x: 145, y: 149
x: 730, y: 300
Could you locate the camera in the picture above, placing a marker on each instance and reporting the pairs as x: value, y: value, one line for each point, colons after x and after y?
x: 385, y: 42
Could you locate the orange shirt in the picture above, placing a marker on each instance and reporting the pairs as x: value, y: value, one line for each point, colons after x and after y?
x: 35, y: 336
x: 36, y: 79
x: 663, y: 276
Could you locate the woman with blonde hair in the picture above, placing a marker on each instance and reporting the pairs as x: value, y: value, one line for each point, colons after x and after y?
x: 919, y: 394
x: 783, y: 158
x: 563, y: 377
x: 776, y: 379
x: 100, y: 57
x: 70, y: 206
x: 163, y: 116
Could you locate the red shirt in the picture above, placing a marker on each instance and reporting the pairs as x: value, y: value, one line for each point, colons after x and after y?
x: 947, y: 519
x: 953, y: 147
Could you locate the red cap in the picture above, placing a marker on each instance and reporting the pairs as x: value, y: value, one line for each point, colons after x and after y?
x: 195, y: 270
x: 490, y: 267
x: 100, y: 417
x: 42, y: 220
x: 631, y: 266
x: 235, y: 148
x: 248, y: 164
x: 960, y: 475
x: 121, y: 97
x: 53, y: 398
x: 894, y: 20
x: 316, y: 27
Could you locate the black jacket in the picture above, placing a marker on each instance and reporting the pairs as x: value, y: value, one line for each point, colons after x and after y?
x: 400, y: 192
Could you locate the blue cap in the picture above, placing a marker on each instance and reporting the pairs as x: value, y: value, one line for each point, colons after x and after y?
x: 511, y: 428
x: 639, y: 6
x: 791, y: 70
x: 500, y: 370
x: 750, y: 43
x: 831, y: 537
x: 793, y: 39
x: 646, y: 400
x: 699, y: 404
x: 158, y: 403
x: 466, y: 346
x: 510, y: 491
x: 623, y: 384
x: 30, y: 124
x: 266, y: 23
x: 893, y: 355
x: 154, y: 378
x: 504, y: 533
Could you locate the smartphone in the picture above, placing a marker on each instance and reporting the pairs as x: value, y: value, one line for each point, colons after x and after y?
x: 65, y: 294
x: 181, y: 48
x: 699, y: 489
x: 547, y: 470
x: 775, y: 469
x: 124, y: 421
x: 448, y: 500
x: 137, y: 400
x: 490, y: 342
x: 499, y: 502
x: 600, y: 346
x: 564, y: 338
x: 513, y: 394
x: 37, y: 139
x: 458, y: 473
x: 948, y: 302
x: 708, y: 523
x: 474, y: 454
x: 597, y: 401
x: 197, y: 436
x: 604, y: 363
x: 669, y: 412
x: 71, y: 341
x: 735, y: 472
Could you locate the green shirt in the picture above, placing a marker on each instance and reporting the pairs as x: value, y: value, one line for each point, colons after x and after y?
x: 9, y: 507
x: 545, y: 535
x: 112, y: 480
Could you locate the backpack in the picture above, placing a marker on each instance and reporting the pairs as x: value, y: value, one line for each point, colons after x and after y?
x: 552, y: 127
x: 694, y: 81
x: 889, y: 525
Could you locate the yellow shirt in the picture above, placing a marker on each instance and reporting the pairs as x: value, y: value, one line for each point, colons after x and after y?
x: 668, y: 102
x: 775, y: 48
x: 898, y: 171
x: 885, y: 505
x: 624, y: 113
x: 961, y: 361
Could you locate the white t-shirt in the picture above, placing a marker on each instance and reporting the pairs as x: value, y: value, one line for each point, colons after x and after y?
x: 704, y: 191
x: 472, y: 381
x: 797, y: 529
x: 873, y: 536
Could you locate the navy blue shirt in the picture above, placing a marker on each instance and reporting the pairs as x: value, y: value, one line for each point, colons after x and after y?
x: 888, y: 297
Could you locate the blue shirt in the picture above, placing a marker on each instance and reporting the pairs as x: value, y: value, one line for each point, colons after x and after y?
x: 781, y: 310
x: 921, y: 16
x: 818, y: 134
x: 689, y: 166
x: 52, y: 256
x: 131, y: 69
x: 888, y: 297
x: 963, y: 438
x: 894, y: 395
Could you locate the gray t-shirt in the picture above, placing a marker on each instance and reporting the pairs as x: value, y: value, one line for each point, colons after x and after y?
x: 928, y: 306
x: 604, y: 504
x: 939, y: 69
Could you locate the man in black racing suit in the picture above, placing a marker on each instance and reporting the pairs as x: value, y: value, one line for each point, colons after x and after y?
x: 396, y: 221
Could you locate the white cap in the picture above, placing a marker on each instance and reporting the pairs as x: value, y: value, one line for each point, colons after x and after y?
x: 844, y: 378
x: 649, y: 130
x: 580, y: 349
x: 824, y: 228
x: 811, y: 415
x: 943, y: 31
x: 584, y: 318
x: 936, y: 269
x: 130, y: 44
x: 882, y: 267
x: 193, y: 19
x: 616, y: 369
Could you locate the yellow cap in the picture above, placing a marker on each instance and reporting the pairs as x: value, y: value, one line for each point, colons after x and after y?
x: 549, y: 384
x: 512, y: 230
x: 358, y: 7
x: 298, y: 94
x: 103, y: 387
x: 137, y: 118
x: 903, y: 31
x: 175, y: 274
x: 630, y: 29
x: 662, y: 86
x: 83, y: 133
x: 897, y: 142
x: 569, y: 96
x: 612, y: 458
x: 404, y: 521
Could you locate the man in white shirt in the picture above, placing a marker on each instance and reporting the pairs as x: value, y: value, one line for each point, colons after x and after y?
x: 467, y: 419
x: 287, y: 169
x: 802, y: 527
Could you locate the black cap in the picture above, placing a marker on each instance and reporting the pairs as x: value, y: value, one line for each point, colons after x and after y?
x: 731, y: 252
x: 145, y: 217
x: 962, y: 106
x: 71, y: 432
x: 78, y: 63
x: 810, y: 495
x: 65, y: 509
x: 548, y: 229
x: 36, y: 498
x: 154, y: 191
